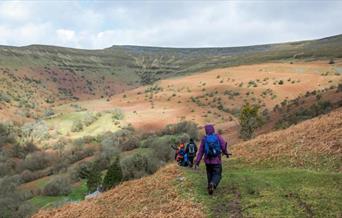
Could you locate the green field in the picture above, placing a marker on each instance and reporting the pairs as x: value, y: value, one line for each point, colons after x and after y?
x: 247, y: 191
x: 78, y: 192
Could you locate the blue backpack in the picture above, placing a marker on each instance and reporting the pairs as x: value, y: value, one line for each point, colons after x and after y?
x: 212, y: 145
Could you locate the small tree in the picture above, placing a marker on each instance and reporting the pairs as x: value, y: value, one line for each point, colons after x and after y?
x: 94, y: 179
x: 77, y: 126
x: 113, y: 175
x: 58, y: 186
x: 250, y: 120
x: 331, y: 61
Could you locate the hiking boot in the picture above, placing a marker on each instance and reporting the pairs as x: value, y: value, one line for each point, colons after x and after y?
x: 211, y: 189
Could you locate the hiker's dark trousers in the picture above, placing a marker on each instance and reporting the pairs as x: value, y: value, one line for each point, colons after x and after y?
x: 191, y: 160
x: 214, y: 173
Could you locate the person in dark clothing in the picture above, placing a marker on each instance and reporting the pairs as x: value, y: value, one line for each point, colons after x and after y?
x: 212, y: 147
x: 191, y: 150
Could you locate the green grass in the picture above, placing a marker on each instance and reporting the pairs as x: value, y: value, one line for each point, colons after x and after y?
x: 63, y: 124
x: 269, y: 192
x: 78, y: 193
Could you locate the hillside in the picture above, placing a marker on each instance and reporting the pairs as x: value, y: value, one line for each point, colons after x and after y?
x: 35, y: 78
x: 290, y: 172
x: 155, y: 195
x: 214, y: 96
x: 313, y: 144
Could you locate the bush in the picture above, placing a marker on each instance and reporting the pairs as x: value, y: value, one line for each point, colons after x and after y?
x: 321, y: 107
x: 125, y: 139
x: 187, y: 127
x: 161, y: 147
x: 36, y: 161
x: 113, y: 175
x: 77, y: 126
x: 49, y: 113
x: 339, y: 87
x: 36, y: 131
x: 138, y: 165
x: 250, y: 120
x: 11, y: 202
x: 59, y: 185
x: 5, y: 135
x: 331, y: 61
x: 80, y: 171
x: 5, y: 98
x: 94, y: 179
x: 117, y: 114
x: 89, y: 119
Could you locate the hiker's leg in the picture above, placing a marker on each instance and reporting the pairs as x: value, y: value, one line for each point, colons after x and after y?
x: 209, y: 173
x: 217, y: 173
x: 191, y: 161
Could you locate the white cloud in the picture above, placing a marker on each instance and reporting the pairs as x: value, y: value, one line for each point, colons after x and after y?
x: 14, y: 10
x: 179, y: 24
x: 65, y: 35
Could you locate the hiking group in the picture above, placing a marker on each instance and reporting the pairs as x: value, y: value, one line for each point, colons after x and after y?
x: 212, y: 147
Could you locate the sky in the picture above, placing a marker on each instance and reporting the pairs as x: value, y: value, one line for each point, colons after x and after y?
x: 189, y: 23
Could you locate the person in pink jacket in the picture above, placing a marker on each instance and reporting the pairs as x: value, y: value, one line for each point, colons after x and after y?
x: 213, y: 146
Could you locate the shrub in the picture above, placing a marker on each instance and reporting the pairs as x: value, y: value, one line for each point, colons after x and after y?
x: 187, y: 127
x: 5, y: 135
x: 331, y: 61
x: 11, y: 202
x: 138, y: 165
x: 80, y: 171
x: 339, y: 87
x: 94, y: 178
x: 117, y: 114
x: 113, y: 175
x: 125, y: 139
x: 321, y: 107
x: 77, y: 126
x: 161, y: 146
x: 36, y: 161
x: 89, y: 119
x: 250, y: 120
x: 59, y: 185
x: 36, y: 131
x: 281, y: 82
x: 5, y: 98
x: 49, y: 113
x: 7, y: 167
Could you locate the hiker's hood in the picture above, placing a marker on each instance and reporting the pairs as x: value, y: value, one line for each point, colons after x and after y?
x: 209, y: 129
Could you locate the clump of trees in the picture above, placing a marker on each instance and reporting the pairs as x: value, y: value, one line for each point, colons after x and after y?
x: 94, y: 178
x: 12, y: 203
x: 250, y: 120
x: 66, y: 163
x: 58, y: 186
x: 113, y: 175
x: 320, y: 107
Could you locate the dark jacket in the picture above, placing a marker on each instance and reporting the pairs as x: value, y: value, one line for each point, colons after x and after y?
x: 187, y: 148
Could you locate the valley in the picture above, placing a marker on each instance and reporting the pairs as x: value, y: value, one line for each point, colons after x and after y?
x: 68, y: 114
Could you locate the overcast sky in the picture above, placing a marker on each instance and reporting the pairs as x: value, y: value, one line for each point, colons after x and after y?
x: 191, y: 23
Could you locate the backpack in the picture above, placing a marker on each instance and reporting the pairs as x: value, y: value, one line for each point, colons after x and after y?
x: 191, y: 149
x: 212, y: 147
x: 181, y: 152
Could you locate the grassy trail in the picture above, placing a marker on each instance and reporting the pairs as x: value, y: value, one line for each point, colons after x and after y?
x: 247, y: 191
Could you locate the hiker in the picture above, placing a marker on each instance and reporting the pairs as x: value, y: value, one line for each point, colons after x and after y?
x: 212, y: 147
x: 181, y: 156
x: 191, y: 150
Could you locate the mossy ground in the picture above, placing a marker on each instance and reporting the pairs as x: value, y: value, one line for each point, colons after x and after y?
x: 256, y: 191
